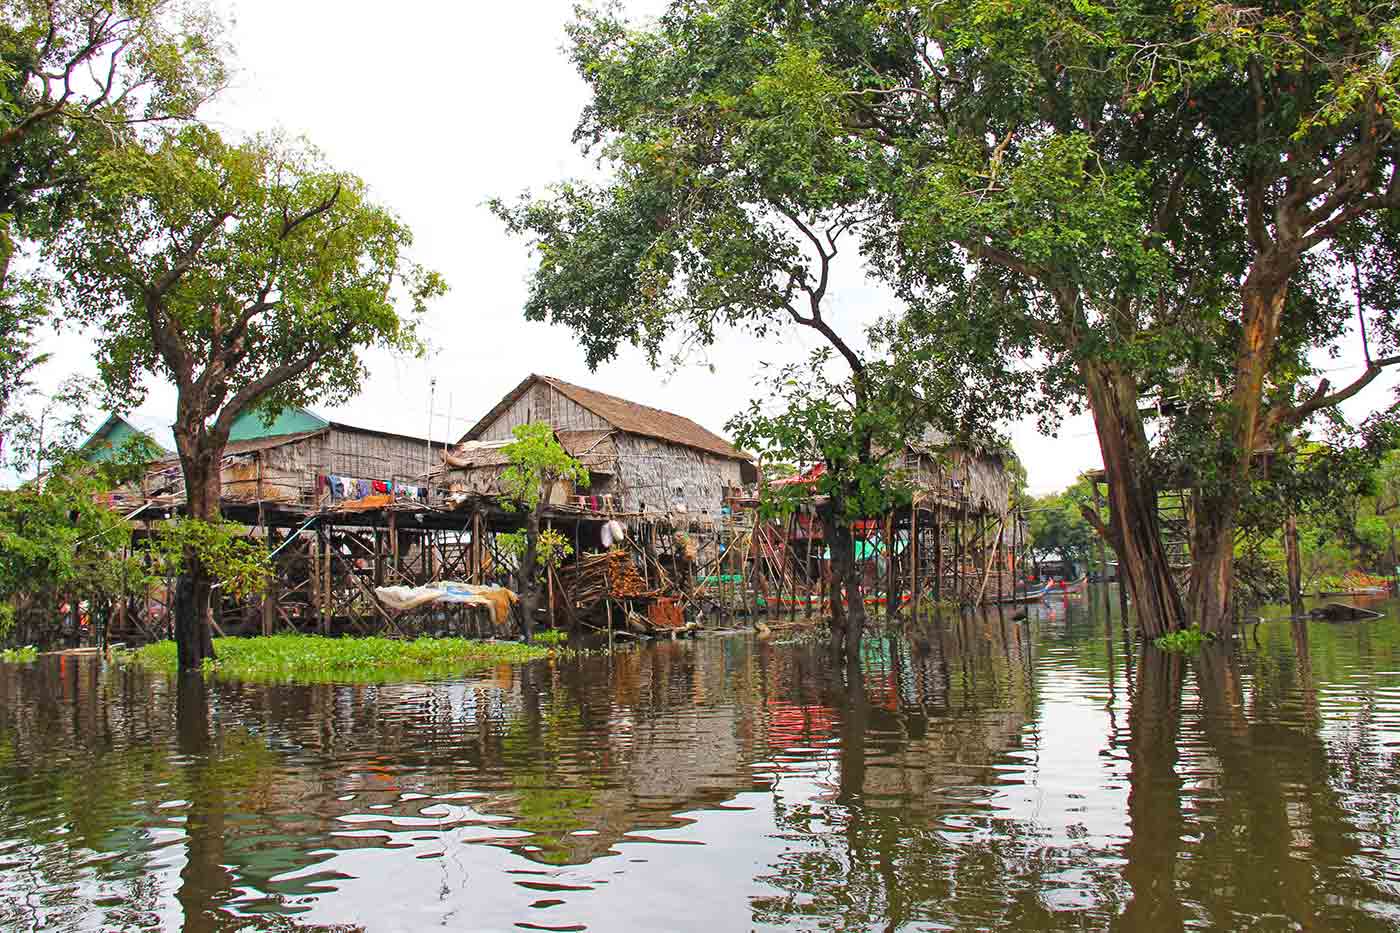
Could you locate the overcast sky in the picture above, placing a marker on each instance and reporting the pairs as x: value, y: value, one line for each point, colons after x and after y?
x: 440, y: 106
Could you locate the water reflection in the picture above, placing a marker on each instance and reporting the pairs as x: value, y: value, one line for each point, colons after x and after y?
x: 975, y: 772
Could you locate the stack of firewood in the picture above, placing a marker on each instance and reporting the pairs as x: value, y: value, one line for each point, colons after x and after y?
x: 595, y: 577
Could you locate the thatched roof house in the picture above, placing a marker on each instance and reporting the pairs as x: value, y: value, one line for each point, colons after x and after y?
x: 640, y: 459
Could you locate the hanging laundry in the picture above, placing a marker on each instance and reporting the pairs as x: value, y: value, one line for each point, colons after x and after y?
x: 362, y: 488
x: 380, y: 486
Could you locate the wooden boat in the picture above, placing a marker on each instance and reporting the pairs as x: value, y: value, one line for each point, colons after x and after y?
x: 1341, y: 612
x: 1358, y: 591
x: 1032, y: 595
x: 1070, y: 586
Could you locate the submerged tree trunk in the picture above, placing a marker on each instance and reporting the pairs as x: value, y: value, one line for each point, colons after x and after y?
x: 1132, y: 530
x: 194, y: 590
x: 847, y: 594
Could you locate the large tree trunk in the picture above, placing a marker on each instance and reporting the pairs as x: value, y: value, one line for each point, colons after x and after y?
x: 1133, y: 530
x: 1212, y: 562
x: 194, y: 589
x: 1213, y: 536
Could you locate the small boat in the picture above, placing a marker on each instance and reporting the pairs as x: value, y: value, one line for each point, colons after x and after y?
x: 1070, y: 586
x: 1341, y: 612
x: 1032, y: 595
x: 1358, y: 591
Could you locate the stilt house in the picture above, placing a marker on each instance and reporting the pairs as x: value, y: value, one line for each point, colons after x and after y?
x: 641, y: 460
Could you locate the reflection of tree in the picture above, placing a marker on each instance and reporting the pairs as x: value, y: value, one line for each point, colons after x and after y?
x: 1154, y: 798
x: 909, y: 833
x: 204, y: 882
x: 1283, y: 829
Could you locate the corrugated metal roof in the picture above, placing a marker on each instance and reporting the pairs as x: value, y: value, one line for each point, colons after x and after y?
x: 255, y: 444
x: 622, y: 414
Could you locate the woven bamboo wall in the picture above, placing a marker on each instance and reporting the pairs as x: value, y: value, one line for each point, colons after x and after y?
x: 649, y: 471
x: 543, y: 403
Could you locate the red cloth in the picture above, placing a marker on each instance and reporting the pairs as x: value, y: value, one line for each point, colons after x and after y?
x: 380, y: 487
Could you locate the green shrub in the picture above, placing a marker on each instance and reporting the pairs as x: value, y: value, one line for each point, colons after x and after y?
x: 1183, y: 641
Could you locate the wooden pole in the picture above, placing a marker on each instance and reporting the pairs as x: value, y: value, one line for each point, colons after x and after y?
x: 938, y: 554
x: 987, y: 572
x: 326, y: 591
x: 889, y: 566
x: 914, y: 558
x: 549, y: 579
x: 1103, y: 549
x: 958, y: 553
x: 1295, y: 564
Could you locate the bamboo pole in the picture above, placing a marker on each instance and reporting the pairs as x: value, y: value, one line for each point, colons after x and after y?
x: 889, y: 566
x: 914, y: 558
x: 987, y: 572
x: 938, y: 568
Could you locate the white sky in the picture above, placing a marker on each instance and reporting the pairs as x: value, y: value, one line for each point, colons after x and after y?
x: 439, y: 108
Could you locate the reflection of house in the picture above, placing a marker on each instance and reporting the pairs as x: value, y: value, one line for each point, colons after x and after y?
x: 645, y: 459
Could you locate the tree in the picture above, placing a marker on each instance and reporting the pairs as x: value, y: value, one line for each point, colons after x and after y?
x: 1058, y: 525
x: 60, y: 543
x: 1147, y: 206
x: 78, y: 77
x: 538, y: 463
x: 251, y: 277
x: 726, y: 206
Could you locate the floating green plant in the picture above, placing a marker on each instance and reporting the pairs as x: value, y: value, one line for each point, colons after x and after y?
x: 19, y: 655
x: 1183, y: 641
x: 316, y: 659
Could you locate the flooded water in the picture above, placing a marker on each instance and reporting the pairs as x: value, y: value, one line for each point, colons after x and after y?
x: 980, y: 773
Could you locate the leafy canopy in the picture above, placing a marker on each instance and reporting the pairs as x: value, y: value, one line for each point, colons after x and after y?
x: 248, y: 275
x: 537, y: 462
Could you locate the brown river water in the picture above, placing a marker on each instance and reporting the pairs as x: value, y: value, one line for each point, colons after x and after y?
x: 978, y: 773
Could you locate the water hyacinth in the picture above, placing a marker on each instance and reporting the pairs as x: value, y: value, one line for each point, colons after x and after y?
x: 317, y: 659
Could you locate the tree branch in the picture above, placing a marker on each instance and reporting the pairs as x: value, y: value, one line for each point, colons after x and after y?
x: 277, y: 376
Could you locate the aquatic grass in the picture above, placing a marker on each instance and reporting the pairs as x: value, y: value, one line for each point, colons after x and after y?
x: 317, y: 659
x: 1183, y: 641
x: 19, y: 655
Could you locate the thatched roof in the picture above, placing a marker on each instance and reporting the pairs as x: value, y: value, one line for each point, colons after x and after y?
x: 621, y: 414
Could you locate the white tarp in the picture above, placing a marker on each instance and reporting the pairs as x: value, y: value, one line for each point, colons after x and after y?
x: 404, y: 598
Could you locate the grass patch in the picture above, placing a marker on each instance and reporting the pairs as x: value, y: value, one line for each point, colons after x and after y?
x: 315, y: 659
x: 19, y: 655
x: 1183, y: 641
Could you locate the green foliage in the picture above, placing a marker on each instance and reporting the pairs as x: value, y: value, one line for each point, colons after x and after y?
x: 77, y: 78
x: 248, y: 275
x: 552, y: 637
x: 59, y: 542
x: 551, y: 547
x: 1057, y: 525
x: 537, y: 463
x: 315, y: 659
x: 1184, y: 641
x: 238, y: 564
x: 43, y: 430
x: 24, y: 655
x: 814, y: 419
